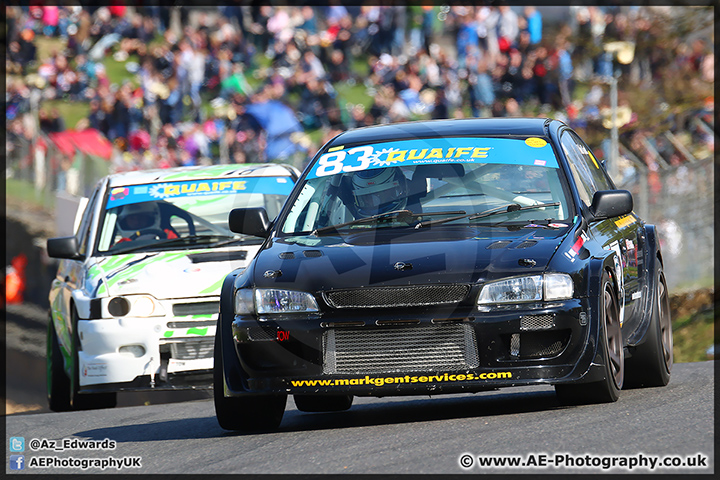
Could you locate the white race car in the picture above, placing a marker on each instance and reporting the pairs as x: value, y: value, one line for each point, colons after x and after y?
x: 134, y: 304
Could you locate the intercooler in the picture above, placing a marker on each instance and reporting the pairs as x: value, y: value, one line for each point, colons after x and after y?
x: 397, y: 350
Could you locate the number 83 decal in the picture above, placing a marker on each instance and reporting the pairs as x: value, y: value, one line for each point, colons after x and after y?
x: 332, y: 163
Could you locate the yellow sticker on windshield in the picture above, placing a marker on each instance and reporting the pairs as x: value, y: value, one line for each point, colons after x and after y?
x: 535, y: 142
x: 593, y: 159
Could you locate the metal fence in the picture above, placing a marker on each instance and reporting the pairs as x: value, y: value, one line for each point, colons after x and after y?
x: 42, y: 165
x: 679, y: 200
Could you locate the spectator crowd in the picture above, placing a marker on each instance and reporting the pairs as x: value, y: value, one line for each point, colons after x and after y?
x: 196, y: 80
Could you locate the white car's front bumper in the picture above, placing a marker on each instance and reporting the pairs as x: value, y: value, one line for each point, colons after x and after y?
x: 121, y: 350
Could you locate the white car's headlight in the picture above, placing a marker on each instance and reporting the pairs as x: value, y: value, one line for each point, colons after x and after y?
x: 552, y: 286
x: 131, y: 305
x: 270, y: 300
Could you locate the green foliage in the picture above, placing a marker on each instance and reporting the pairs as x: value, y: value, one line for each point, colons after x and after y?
x: 692, y: 336
x: 117, y: 72
x: 71, y: 112
x: 24, y: 192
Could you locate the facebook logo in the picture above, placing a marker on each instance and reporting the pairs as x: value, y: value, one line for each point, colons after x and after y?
x: 17, y: 462
x: 17, y: 444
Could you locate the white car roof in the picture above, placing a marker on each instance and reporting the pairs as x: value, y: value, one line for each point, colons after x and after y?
x: 141, y: 177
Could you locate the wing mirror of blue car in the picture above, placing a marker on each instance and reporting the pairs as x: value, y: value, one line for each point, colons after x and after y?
x: 63, y: 247
x: 249, y: 221
x: 610, y: 203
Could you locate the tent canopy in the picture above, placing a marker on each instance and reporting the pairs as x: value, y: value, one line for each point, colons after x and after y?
x: 88, y: 141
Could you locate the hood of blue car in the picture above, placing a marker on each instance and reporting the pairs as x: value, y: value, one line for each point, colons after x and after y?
x: 378, y: 258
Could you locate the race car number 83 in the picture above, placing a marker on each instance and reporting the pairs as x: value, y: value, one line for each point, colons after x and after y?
x: 332, y: 163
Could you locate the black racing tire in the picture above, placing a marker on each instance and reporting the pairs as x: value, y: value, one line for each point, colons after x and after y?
x: 58, y: 383
x: 85, y: 401
x: 651, y: 362
x: 249, y: 413
x: 323, y: 403
x: 608, y: 389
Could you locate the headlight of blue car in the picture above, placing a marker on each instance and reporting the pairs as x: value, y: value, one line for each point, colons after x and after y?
x: 536, y: 288
x: 264, y: 301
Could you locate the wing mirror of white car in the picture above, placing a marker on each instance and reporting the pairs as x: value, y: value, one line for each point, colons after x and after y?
x: 63, y: 247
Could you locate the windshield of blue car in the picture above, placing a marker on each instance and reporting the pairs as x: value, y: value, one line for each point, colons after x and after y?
x: 462, y: 176
x: 175, y: 215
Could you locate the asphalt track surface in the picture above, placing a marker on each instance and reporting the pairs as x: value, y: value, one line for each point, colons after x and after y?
x: 398, y: 434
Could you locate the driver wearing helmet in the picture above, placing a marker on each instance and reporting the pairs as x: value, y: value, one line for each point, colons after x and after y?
x: 138, y: 220
x: 378, y: 191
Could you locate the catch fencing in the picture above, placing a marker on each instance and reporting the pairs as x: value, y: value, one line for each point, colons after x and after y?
x: 679, y: 201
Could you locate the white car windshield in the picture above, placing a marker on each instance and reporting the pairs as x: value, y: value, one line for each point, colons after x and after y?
x: 481, y: 181
x: 184, y: 213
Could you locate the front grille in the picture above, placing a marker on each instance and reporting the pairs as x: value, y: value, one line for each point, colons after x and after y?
x: 538, y: 344
x: 537, y: 322
x: 259, y: 334
x: 397, y: 350
x: 192, y: 323
x: 197, y: 308
x: 192, y: 349
x: 383, y: 297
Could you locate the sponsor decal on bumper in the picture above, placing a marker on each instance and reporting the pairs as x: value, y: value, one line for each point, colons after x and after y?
x: 380, y: 381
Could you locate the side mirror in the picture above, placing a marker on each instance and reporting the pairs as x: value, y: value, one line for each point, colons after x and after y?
x: 611, y: 203
x: 63, y: 247
x: 249, y: 221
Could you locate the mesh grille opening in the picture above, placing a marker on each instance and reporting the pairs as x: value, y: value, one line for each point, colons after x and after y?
x: 397, y: 350
x: 197, y: 308
x: 384, y: 297
x: 537, y: 322
x: 498, y: 244
x: 192, y: 323
x: 527, y: 243
x: 543, y: 344
x: 193, y: 349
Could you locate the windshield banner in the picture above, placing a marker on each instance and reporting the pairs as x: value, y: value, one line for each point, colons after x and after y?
x: 534, y: 151
x: 196, y: 188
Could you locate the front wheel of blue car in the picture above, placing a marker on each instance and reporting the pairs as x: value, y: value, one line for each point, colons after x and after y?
x: 250, y: 413
x: 652, y: 360
x: 611, y: 344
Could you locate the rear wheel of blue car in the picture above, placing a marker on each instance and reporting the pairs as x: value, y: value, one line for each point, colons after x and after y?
x: 249, y: 413
x: 611, y: 344
x: 323, y: 403
x: 651, y: 361
x: 58, y: 383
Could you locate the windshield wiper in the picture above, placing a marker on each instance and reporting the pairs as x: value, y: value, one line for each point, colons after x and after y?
x: 245, y: 239
x: 401, y: 215
x: 509, y: 208
x: 192, y: 239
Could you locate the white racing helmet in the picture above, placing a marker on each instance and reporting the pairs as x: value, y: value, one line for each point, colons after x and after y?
x: 379, y: 190
x: 138, y: 217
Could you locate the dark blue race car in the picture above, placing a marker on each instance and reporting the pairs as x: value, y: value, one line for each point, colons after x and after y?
x: 443, y: 257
